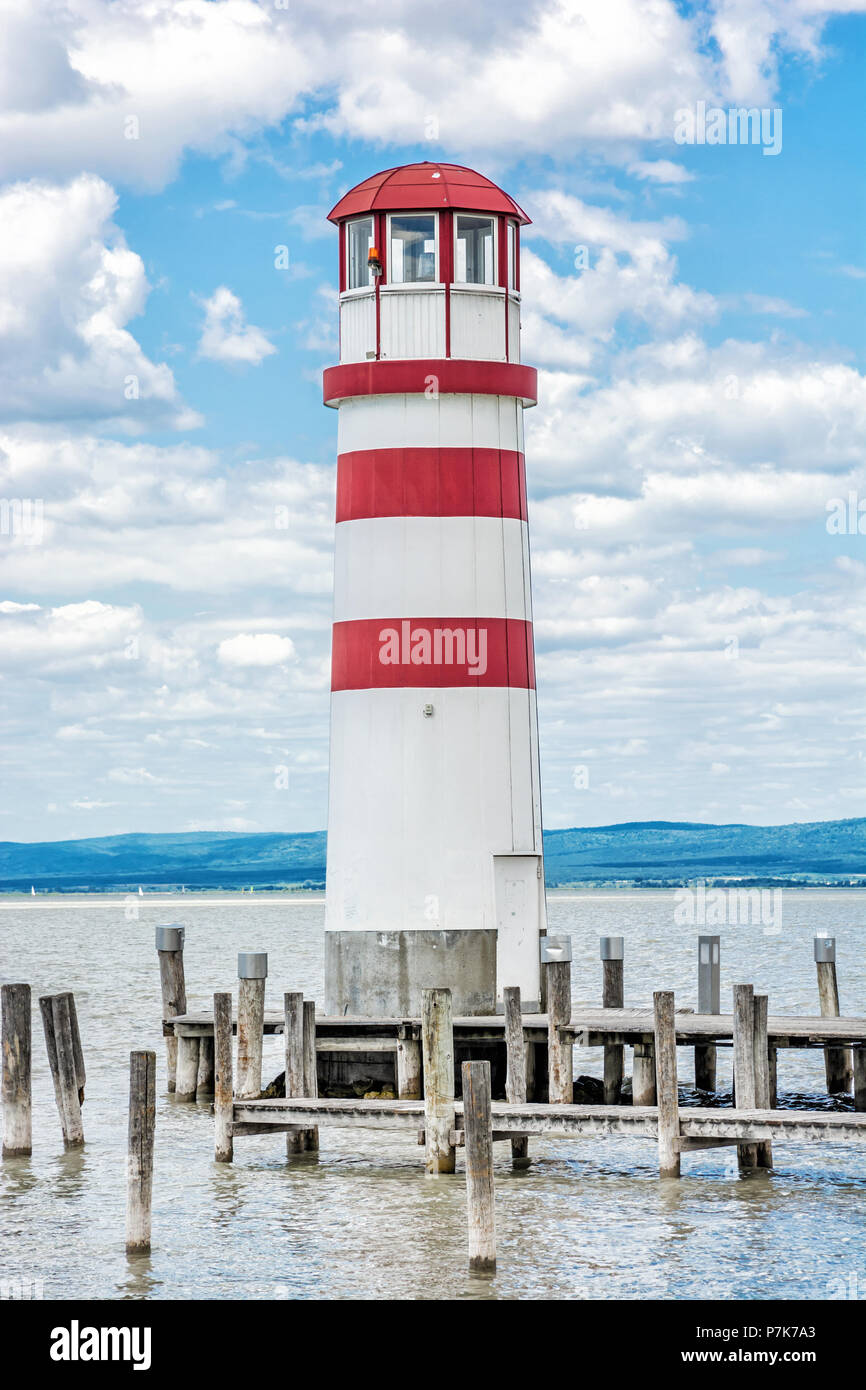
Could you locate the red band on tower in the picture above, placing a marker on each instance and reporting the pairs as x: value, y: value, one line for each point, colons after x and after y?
x: 430, y: 482
x: 419, y: 653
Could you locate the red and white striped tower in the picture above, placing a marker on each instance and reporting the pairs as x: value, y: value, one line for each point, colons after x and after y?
x: 434, y: 821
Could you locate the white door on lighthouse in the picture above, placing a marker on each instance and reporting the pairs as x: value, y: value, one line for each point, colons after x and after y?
x: 518, y: 888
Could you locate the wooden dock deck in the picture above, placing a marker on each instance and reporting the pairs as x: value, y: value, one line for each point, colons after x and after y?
x: 696, y: 1125
x: 588, y: 1027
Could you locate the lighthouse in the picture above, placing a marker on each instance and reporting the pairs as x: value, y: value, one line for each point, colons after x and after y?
x: 435, y: 871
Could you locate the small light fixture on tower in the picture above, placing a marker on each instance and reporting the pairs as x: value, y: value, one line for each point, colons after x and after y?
x: 374, y: 260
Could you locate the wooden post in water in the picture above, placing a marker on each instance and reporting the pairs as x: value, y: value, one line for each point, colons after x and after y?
x: 859, y: 1059
x: 774, y: 1075
x: 612, y: 997
x: 709, y: 1002
x: 762, y: 1074
x: 408, y: 1065
x: 437, y: 1042
x: 223, y: 1094
x: 556, y: 962
x: 515, y: 1075
x: 666, y: 1072
x: 744, y: 1064
x: 186, y: 1076
x: 643, y: 1074
x: 169, y: 945
x: 478, y: 1131
x: 60, y: 1045
x: 139, y: 1177
x: 17, y: 1051
x: 252, y: 973
x: 311, y: 1080
x: 837, y: 1060
x: 293, y: 1037
x: 204, y: 1082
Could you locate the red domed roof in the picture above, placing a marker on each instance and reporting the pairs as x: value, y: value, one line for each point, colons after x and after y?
x: 427, y: 186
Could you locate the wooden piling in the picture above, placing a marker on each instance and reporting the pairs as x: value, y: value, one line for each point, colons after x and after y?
x: 515, y: 1074
x: 142, y: 1119
x: 666, y: 1073
x: 643, y: 1075
x: 186, y: 1076
x: 612, y: 997
x: 437, y: 1042
x: 60, y: 1045
x: 762, y: 1074
x: 559, y: 1049
x: 478, y: 1131
x: 251, y: 1018
x: 744, y: 1064
x: 223, y: 1094
x: 17, y: 1052
x: 204, y: 1084
x: 311, y: 1080
x: 409, y: 1086
x: 293, y: 1037
x: 774, y: 1075
x: 837, y: 1060
x: 859, y: 1068
x: 173, y: 987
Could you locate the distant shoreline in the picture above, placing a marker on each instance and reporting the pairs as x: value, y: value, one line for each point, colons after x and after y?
x: 215, y: 897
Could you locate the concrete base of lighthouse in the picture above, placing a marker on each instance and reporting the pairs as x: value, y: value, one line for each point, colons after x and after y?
x: 380, y: 974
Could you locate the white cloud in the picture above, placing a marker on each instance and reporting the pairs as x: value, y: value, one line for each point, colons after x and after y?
x: 256, y: 649
x: 126, y: 89
x: 226, y: 336
x: 69, y: 285
x: 663, y: 171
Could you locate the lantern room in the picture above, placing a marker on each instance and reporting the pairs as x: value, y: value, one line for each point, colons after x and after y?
x: 429, y: 266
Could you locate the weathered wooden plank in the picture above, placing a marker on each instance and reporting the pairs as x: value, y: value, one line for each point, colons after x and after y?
x: 409, y: 1082
x: 612, y: 994
x: 142, y: 1124
x: 17, y: 1054
x: 837, y: 1061
x: 311, y: 1085
x: 643, y: 1074
x: 223, y: 1089
x: 204, y: 1084
x: 666, y: 1081
x: 57, y: 1024
x: 437, y: 1039
x: 761, y: 1064
x: 507, y: 1119
x: 293, y: 1032
x: 560, y: 1062
x: 478, y: 1133
x: 744, y: 1064
x: 173, y: 986
x: 515, y: 1072
x: 251, y: 1010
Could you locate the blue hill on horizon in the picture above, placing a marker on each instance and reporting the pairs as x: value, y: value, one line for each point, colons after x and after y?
x: 632, y: 852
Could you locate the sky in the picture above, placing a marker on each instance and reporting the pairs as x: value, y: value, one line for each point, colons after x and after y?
x: 167, y: 470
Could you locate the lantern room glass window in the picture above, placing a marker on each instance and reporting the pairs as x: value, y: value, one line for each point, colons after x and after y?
x: 412, y: 248
x: 511, y: 237
x: 359, y: 236
x: 475, y: 259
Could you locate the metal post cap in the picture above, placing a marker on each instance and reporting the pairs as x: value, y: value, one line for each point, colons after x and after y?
x: 170, y: 938
x: 252, y: 965
x: 825, y: 948
x: 612, y: 947
x: 555, y: 948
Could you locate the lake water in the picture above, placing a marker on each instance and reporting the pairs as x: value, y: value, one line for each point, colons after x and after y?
x: 590, y: 1219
